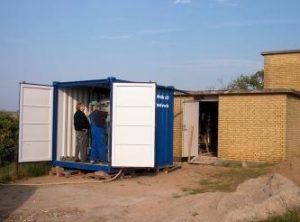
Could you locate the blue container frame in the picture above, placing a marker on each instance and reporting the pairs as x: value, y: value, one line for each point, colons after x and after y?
x: 164, y: 113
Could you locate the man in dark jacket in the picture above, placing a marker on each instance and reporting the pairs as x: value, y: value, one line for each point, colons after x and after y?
x: 81, y: 125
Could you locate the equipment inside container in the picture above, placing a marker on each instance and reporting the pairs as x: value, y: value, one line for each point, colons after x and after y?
x: 67, y: 101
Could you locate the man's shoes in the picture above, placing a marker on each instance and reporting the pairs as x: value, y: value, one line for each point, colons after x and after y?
x: 92, y: 162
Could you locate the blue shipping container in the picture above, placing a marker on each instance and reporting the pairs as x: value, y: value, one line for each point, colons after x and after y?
x: 140, y: 131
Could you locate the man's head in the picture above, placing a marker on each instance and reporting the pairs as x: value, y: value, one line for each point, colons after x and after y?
x: 98, y: 106
x: 80, y: 106
x: 93, y: 105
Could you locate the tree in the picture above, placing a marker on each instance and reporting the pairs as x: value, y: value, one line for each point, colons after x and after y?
x: 8, y: 136
x: 248, y: 82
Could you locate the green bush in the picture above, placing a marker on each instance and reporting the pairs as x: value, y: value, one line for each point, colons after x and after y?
x: 15, y: 171
x: 9, y: 169
x: 8, y: 137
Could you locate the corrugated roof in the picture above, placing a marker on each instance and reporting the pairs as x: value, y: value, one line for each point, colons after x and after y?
x: 241, y: 92
x: 287, y: 51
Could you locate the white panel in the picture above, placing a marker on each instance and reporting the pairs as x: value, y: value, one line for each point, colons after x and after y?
x: 30, y: 97
x: 131, y: 96
x: 136, y: 154
x: 34, y: 151
x: 36, y: 114
x: 136, y: 135
x: 133, y: 125
x: 129, y: 116
x: 190, y: 128
x: 35, y: 133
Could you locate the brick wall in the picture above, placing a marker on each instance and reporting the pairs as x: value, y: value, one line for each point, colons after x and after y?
x: 252, y: 127
x: 178, y: 117
x: 282, y: 71
x: 293, y: 126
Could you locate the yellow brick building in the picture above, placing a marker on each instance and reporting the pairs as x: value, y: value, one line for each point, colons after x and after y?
x: 282, y: 69
x: 255, y: 126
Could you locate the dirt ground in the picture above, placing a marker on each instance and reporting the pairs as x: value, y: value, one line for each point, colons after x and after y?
x: 150, y: 197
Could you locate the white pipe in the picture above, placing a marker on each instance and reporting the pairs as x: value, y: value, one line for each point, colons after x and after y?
x: 81, y: 97
x: 59, y: 126
x: 69, y: 124
x: 85, y: 97
x: 63, y: 120
x: 59, y: 118
x: 74, y: 102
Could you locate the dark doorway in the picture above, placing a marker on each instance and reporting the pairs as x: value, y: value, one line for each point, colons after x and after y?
x: 208, y: 127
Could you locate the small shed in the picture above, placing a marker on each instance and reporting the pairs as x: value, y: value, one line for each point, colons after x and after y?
x: 140, y: 130
x: 254, y: 125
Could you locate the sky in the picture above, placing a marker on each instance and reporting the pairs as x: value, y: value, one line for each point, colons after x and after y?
x: 189, y: 44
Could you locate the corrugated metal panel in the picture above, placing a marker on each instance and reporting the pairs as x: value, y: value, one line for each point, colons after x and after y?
x: 164, y: 127
x: 67, y: 100
x: 61, y: 139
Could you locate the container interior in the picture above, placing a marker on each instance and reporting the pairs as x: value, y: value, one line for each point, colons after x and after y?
x: 68, y: 97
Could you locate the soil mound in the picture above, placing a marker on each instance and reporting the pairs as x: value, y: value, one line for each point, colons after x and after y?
x: 290, y: 169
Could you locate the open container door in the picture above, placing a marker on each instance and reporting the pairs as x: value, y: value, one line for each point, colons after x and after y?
x: 35, y: 130
x: 133, y: 125
x: 190, y: 131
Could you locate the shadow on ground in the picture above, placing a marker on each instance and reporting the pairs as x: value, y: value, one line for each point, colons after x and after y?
x: 12, y: 197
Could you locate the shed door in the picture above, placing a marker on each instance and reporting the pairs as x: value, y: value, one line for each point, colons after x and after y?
x: 190, y: 129
x: 35, y: 133
x: 133, y: 125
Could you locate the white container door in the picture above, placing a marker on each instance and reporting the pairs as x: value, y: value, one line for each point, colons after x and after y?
x: 35, y: 132
x: 190, y: 131
x: 133, y: 125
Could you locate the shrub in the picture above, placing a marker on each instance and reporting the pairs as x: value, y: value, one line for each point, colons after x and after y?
x: 8, y: 137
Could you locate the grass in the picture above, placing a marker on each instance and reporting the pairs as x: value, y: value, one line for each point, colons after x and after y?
x: 25, y: 170
x: 290, y: 216
x: 225, y: 181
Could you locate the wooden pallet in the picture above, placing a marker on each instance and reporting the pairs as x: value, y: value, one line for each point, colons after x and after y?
x: 169, y: 169
x: 172, y: 168
x: 61, y: 172
x: 100, y: 175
